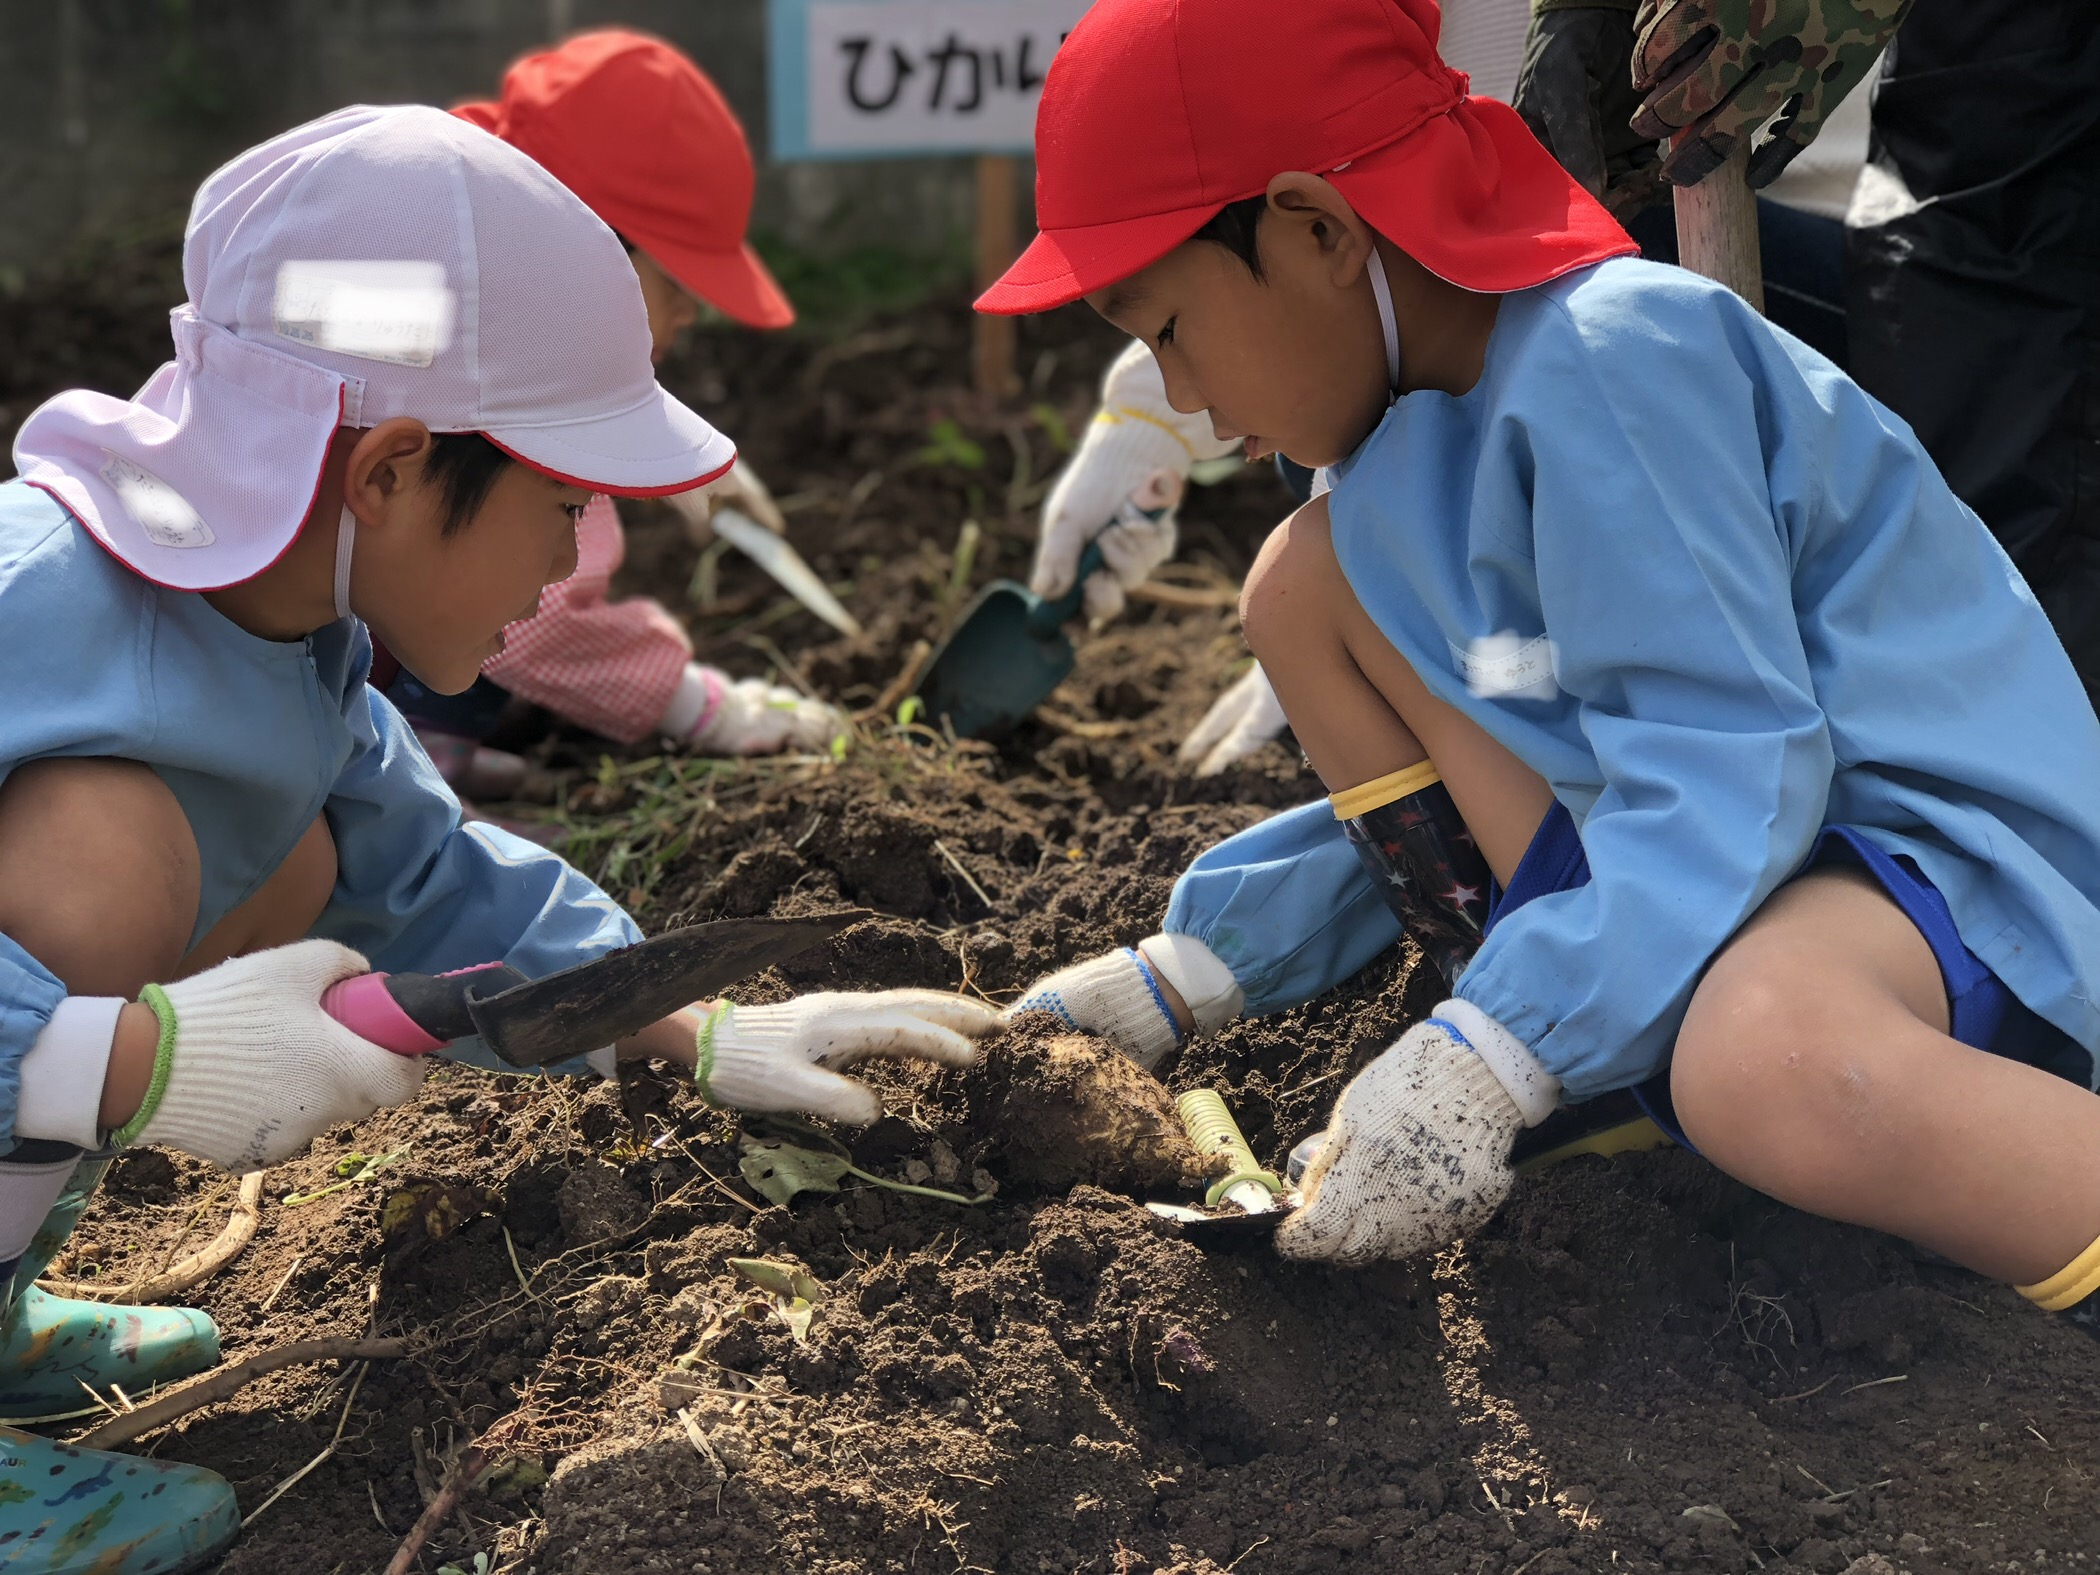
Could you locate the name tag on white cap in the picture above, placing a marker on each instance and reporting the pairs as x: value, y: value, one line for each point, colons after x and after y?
x: 397, y: 312
x: 162, y: 513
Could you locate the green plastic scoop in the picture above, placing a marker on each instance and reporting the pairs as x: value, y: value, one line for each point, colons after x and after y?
x: 1005, y: 656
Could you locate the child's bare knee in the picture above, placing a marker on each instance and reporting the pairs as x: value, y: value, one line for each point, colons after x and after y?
x: 99, y: 873
x: 1291, y: 578
x: 1761, y: 1071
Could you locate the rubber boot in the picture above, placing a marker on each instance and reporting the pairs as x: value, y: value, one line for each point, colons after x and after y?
x: 51, y: 1345
x: 1414, y: 842
x: 66, y: 1511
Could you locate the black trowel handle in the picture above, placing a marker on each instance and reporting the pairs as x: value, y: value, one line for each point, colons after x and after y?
x: 415, y: 1013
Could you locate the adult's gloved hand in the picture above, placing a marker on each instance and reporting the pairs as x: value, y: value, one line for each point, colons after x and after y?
x: 1417, y: 1153
x: 250, y: 1070
x: 1576, y: 94
x: 1118, y: 996
x: 1722, y: 68
x: 1240, y: 721
x: 787, y: 1057
x: 1134, y: 437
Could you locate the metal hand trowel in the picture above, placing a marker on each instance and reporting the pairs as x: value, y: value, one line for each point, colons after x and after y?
x: 530, y: 1022
x: 1246, y: 1200
x: 1009, y: 651
x: 1005, y: 656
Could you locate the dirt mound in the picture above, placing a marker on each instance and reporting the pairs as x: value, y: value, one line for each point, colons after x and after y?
x: 1055, y: 1109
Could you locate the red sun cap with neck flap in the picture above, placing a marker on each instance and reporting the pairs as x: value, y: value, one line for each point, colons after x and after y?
x: 1157, y: 113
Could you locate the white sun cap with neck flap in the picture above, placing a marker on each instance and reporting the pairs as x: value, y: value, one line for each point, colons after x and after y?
x: 371, y: 264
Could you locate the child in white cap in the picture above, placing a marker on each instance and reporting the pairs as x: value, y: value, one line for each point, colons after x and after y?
x: 408, y: 359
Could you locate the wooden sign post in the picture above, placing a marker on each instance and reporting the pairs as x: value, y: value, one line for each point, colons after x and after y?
x: 992, y: 338
x: 864, y: 79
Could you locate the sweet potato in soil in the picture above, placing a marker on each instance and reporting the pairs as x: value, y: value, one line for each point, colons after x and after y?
x: 1638, y: 1366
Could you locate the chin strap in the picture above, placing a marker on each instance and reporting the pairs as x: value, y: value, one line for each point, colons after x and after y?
x: 1384, y: 295
x: 346, y: 542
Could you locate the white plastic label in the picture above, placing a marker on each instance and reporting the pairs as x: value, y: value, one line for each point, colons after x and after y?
x: 1507, y: 666
x: 162, y: 513
x: 397, y: 312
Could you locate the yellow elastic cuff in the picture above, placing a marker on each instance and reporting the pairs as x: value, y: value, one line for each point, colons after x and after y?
x: 2070, y: 1285
x: 1109, y: 415
x: 1362, y: 799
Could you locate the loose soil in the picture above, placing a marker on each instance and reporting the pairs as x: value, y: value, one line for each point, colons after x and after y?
x: 1639, y: 1365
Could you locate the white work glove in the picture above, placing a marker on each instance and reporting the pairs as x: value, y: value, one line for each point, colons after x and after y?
x: 1116, y: 996
x: 1137, y: 448
x: 250, y: 1069
x: 1417, y: 1152
x: 736, y: 488
x: 714, y: 714
x: 1240, y: 721
x: 786, y: 1057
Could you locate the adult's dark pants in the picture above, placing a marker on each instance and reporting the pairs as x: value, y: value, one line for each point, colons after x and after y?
x: 1973, y: 294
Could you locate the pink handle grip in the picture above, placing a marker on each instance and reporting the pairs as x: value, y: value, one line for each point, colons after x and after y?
x: 363, y: 1006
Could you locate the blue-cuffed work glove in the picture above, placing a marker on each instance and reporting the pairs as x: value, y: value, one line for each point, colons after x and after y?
x: 1117, y: 996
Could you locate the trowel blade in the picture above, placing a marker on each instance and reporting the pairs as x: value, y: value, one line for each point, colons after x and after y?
x: 995, y: 668
x: 579, y: 1009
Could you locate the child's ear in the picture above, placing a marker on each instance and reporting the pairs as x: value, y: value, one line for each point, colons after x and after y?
x: 1313, y: 206
x: 382, y: 462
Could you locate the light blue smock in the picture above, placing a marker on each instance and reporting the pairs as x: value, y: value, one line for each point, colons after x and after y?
x: 1763, y: 612
x: 255, y: 738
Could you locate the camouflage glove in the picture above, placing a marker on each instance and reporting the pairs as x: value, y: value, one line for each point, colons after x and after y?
x: 1720, y: 69
x: 1576, y: 94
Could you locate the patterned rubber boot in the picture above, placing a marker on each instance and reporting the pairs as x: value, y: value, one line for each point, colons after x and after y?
x: 1412, y: 839
x: 51, y: 1345
x: 2073, y: 1292
x: 66, y: 1511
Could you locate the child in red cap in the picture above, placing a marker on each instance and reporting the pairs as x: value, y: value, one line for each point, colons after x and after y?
x: 636, y: 130
x: 1666, y: 696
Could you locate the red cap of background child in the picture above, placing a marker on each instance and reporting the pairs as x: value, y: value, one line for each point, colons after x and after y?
x: 1157, y: 113
x: 637, y: 131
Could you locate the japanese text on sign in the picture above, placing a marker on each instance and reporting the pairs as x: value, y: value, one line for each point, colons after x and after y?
x: 868, y: 77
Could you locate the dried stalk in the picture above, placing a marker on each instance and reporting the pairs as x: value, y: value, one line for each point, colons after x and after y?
x: 229, y: 1380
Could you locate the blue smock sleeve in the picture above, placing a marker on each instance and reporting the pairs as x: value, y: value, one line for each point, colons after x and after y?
x: 418, y: 890
x: 1287, y: 906
x: 29, y: 994
x: 1665, y: 581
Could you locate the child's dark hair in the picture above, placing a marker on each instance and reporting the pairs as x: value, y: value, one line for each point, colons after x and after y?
x: 464, y: 466
x: 1233, y: 227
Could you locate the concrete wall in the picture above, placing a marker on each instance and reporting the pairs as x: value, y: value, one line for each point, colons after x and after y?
x: 112, y: 110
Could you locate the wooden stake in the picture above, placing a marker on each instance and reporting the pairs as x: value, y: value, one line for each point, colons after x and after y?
x: 992, y: 345
x: 1717, y: 228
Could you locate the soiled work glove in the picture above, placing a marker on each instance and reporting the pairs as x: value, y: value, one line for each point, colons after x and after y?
x: 787, y: 1057
x: 1117, y: 995
x: 1725, y: 67
x: 1136, y: 444
x: 1417, y: 1153
x: 1576, y: 94
x: 250, y: 1069
x: 1240, y: 721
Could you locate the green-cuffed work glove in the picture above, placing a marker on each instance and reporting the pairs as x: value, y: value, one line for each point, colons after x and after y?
x: 1723, y: 68
x: 1576, y: 94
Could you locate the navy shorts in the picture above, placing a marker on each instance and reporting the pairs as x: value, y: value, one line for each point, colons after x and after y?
x: 1982, y: 1012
